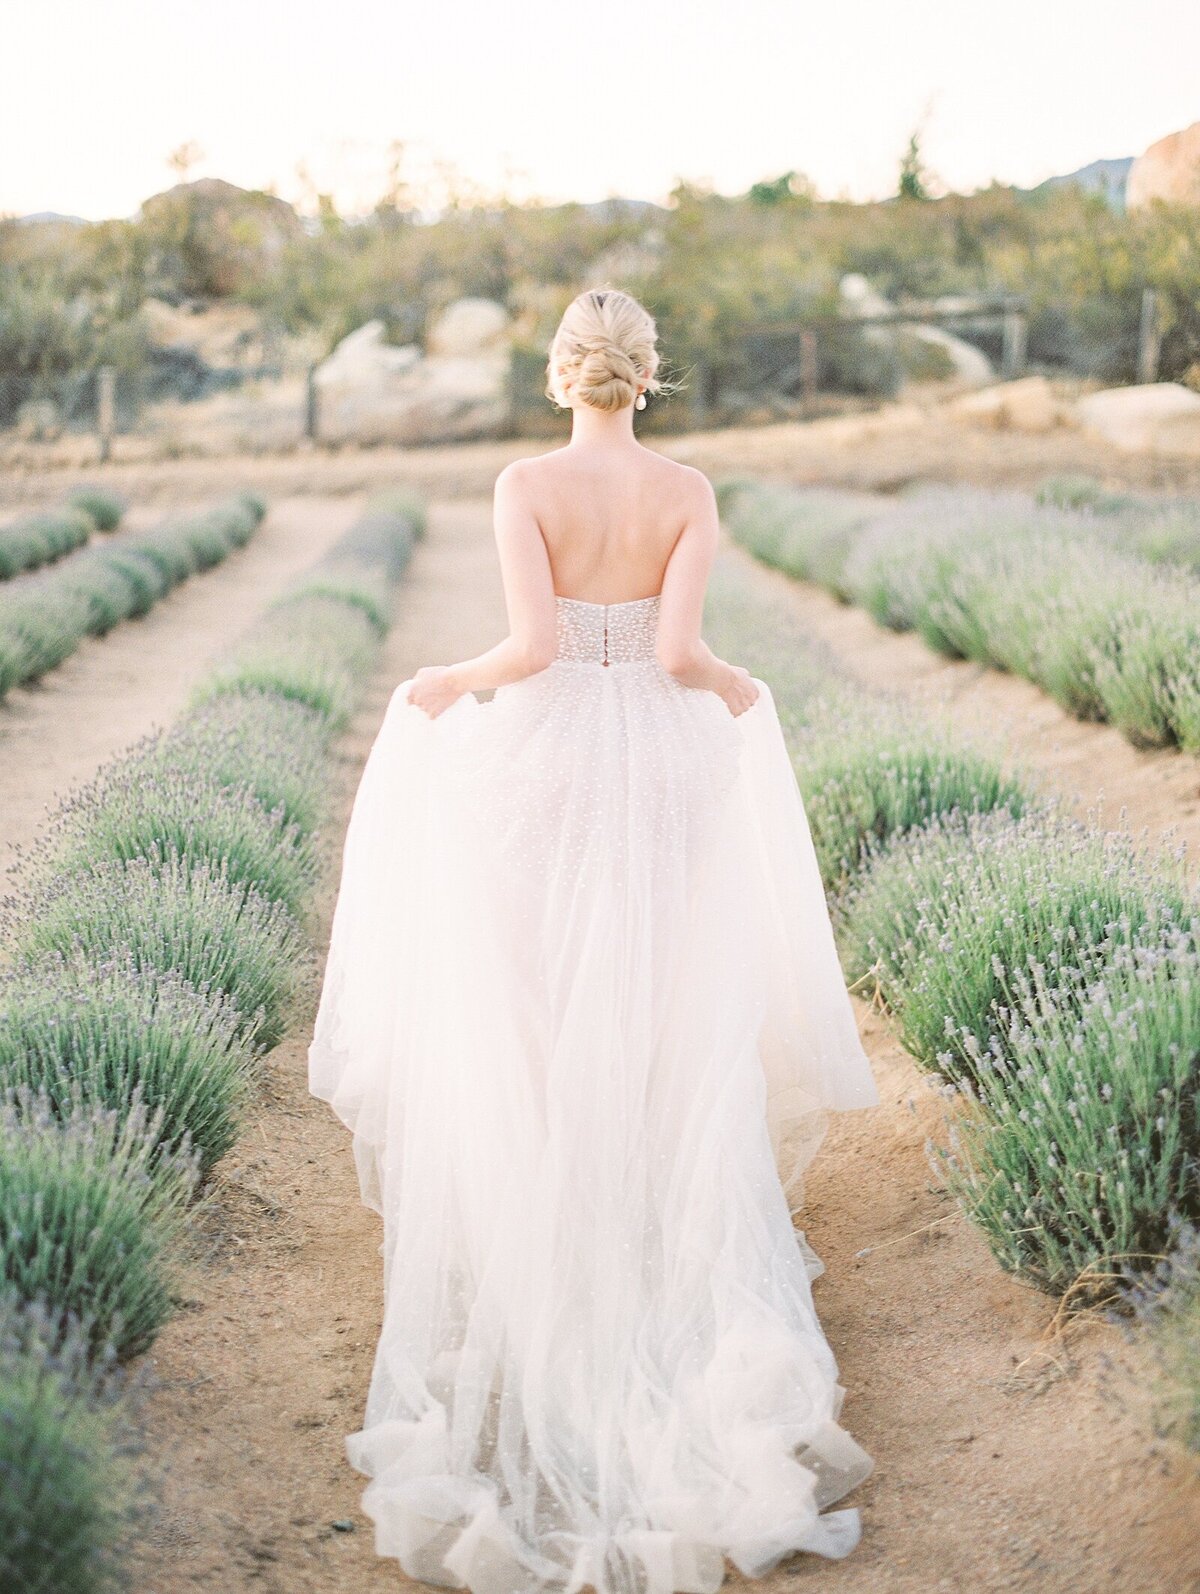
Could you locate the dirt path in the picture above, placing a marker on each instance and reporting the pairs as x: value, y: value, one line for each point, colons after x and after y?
x: 266, y: 1370
x: 1002, y: 1463
x: 115, y: 688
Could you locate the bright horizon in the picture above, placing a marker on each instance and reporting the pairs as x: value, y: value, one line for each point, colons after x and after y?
x: 587, y: 104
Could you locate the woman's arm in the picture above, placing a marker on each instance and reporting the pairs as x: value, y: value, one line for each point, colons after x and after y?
x: 529, y: 599
x: 680, y: 649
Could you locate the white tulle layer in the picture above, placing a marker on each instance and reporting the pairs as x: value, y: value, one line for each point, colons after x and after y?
x: 584, y: 1016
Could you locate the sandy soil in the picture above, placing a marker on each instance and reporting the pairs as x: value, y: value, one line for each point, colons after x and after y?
x: 883, y: 450
x: 1006, y: 1459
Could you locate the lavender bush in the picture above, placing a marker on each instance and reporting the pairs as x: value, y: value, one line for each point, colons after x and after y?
x: 44, y: 619
x: 68, y: 1485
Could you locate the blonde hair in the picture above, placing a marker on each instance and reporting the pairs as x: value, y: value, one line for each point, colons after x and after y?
x: 605, y: 347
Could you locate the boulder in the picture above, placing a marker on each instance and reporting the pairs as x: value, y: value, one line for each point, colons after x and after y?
x: 1170, y: 170
x: 217, y: 236
x: 468, y: 326
x: 39, y: 421
x: 860, y: 301
x: 1027, y: 405
x: 220, y: 335
x: 370, y: 392
x: 1158, y: 418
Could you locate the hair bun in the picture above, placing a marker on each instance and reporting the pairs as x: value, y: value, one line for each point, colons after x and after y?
x: 605, y: 348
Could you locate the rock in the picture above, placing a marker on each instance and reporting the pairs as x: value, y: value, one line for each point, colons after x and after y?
x: 1027, y: 405
x: 232, y: 233
x: 369, y: 392
x: 1158, y: 418
x: 468, y: 326
x: 39, y: 421
x: 221, y: 335
x: 1170, y: 170
x: 858, y: 299
x: 971, y: 365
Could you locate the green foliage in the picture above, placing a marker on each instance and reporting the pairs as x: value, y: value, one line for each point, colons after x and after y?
x: 89, y: 1208
x: 913, y: 182
x: 67, y: 1488
x: 313, y: 646
x: 109, y: 1034
x: 1092, y: 607
x: 174, y: 918
x: 254, y: 741
x: 1050, y: 972
x: 1087, y: 1140
x: 43, y: 620
x: 807, y: 535
x: 708, y: 266
x: 105, y: 508
x: 879, y: 772
x: 40, y: 538
x: 160, y: 811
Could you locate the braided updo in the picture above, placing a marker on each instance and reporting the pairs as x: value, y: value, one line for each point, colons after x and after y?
x: 605, y: 348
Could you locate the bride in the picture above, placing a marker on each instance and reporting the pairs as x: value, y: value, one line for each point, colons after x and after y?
x: 584, y: 1016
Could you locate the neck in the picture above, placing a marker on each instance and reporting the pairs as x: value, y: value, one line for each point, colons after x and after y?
x: 603, y: 428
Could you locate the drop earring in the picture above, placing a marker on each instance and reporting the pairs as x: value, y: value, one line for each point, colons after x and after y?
x: 640, y: 402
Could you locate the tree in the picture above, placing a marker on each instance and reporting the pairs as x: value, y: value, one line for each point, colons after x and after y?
x: 182, y: 159
x: 914, y: 179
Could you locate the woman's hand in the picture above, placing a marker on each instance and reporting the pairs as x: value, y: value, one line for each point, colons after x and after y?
x: 741, y: 693
x: 434, y: 688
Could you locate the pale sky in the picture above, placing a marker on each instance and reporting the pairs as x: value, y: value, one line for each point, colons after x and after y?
x: 577, y: 101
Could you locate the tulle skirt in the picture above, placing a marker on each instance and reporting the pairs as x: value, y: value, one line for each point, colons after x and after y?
x: 584, y: 1016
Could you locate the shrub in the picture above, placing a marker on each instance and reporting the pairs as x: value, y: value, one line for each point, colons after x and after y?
x: 89, y: 1207
x: 40, y: 538
x: 44, y: 619
x: 879, y: 772
x: 105, y: 508
x: 867, y: 767
x: 947, y: 918
x: 1166, y: 1304
x: 1086, y: 1140
x: 272, y: 747
x: 162, y: 812
x: 170, y: 918
x: 806, y: 535
x: 67, y: 1488
x: 316, y: 642
x: 1069, y: 599
x: 110, y: 1033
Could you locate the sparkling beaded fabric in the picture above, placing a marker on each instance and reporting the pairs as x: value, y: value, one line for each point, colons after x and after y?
x: 584, y: 1016
x: 607, y: 633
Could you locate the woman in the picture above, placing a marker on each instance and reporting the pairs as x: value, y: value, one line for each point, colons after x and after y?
x: 584, y: 1016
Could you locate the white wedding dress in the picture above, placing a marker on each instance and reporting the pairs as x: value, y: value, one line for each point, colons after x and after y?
x: 584, y: 1016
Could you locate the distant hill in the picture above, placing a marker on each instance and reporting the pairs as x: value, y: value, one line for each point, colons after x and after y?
x: 50, y: 218
x: 1106, y: 177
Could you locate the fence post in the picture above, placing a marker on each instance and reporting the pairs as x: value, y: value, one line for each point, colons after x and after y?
x: 1012, y: 358
x: 310, y: 404
x: 808, y: 364
x: 698, y: 394
x: 1149, y: 338
x: 106, y: 409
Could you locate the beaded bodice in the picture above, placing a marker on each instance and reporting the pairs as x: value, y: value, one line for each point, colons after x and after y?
x: 607, y: 633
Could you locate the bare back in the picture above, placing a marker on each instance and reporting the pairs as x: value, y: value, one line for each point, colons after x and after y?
x: 609, y: 518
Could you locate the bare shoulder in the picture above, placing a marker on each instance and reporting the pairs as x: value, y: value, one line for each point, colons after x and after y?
x: 691, y: 486
x: 515, y: 475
